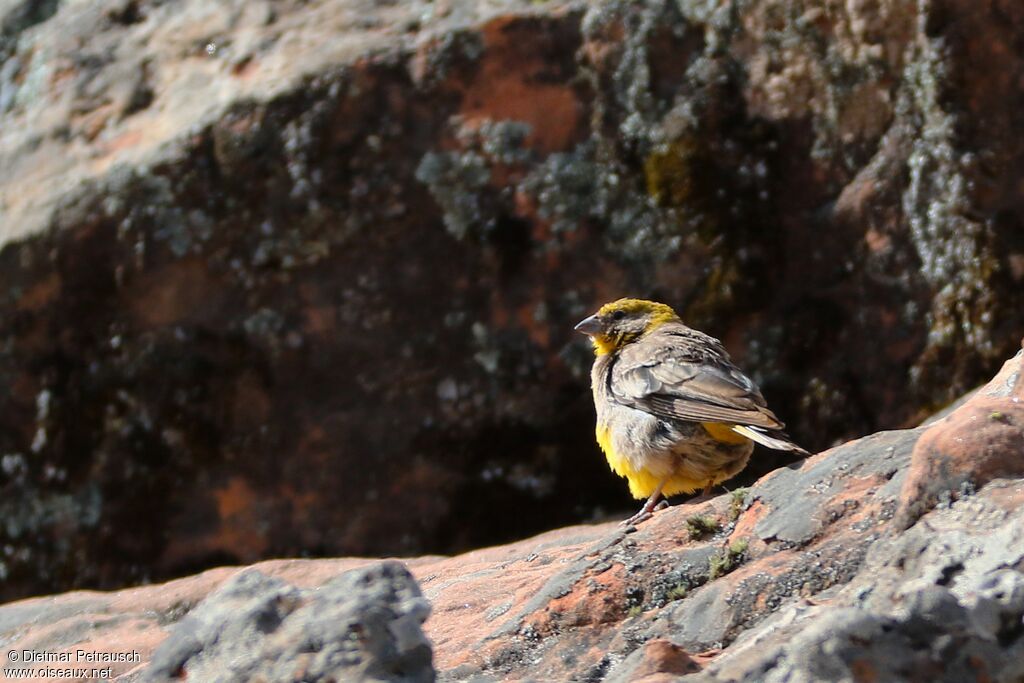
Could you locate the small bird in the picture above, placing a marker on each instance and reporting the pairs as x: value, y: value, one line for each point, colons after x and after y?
x: 674, y: 415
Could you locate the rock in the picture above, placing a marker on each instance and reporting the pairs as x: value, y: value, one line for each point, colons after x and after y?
x: 980, y: 441
x: 269, y: 267
x: 808, y: 575
x: 658, y: 660
x: 939, y: 602
x: 361, y: 626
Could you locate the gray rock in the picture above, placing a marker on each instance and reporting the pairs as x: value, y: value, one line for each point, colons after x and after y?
x: 797, y: 519
x: 942, y: 602
x: 362, y: 626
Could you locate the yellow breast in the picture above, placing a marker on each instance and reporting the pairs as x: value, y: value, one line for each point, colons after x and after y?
x: 641, y: 481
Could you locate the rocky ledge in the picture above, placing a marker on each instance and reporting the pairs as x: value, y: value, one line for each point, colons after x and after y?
x: 896, y: 557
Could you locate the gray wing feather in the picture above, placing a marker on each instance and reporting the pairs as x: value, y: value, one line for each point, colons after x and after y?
x: 670, y: 376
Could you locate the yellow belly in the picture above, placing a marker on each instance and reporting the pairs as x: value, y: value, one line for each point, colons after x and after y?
x: 642, y: 482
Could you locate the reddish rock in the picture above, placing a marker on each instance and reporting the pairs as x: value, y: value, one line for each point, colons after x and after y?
x: 661, y: 661
x: 981, y: 440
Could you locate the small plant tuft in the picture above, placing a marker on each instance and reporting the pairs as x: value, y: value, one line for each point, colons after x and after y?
x: 701, y: 526
x: 724, y: 562
x: 737, y: 500
x: 677, y: 592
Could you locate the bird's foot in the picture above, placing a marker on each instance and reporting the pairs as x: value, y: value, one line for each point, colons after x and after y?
x: 646, y: 512
x: 639, y: 517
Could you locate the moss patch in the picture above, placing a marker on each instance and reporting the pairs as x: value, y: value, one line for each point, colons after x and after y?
x: 724, y: 562
x: 737, y: 503
x: 701, y: 526
x: 678, y: 592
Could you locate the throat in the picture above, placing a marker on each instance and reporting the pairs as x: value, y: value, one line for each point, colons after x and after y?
x: 604, y: 344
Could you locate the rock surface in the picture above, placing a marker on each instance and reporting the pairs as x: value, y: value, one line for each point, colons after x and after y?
x: 978, y: 442
x: 806, y: 576
x: 364, y: 625
x: 271, y: 266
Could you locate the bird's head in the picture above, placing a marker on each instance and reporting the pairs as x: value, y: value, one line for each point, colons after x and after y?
x: 624, y: 321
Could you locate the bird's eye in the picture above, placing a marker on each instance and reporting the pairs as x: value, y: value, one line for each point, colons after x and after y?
x: 618, y: 315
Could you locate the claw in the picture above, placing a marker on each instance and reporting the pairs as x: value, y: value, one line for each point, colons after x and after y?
x: 638, y: 518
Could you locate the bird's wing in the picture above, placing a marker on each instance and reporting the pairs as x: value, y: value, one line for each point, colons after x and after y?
x: 686, y: 375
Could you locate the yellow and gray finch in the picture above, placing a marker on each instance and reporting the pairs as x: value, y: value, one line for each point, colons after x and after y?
x: 674, y: 415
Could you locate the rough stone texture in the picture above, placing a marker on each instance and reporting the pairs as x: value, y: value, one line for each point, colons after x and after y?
x: 285, y: 278
x: 806, y: 576
x: 361, y: 626
x: 980, y: 441
x: 942, y: 602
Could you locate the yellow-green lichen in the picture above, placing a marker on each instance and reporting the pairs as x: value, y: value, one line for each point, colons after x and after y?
x: 669, y: 173
x: 717, y: 294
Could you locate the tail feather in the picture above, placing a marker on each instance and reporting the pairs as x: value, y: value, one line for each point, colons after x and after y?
x: 779, y: 442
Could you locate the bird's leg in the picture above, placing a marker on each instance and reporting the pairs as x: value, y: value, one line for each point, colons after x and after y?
x: 705, y: 495
x: 647, y: 511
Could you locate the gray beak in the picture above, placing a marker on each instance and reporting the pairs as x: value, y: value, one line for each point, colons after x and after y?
x: 590, y: 326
